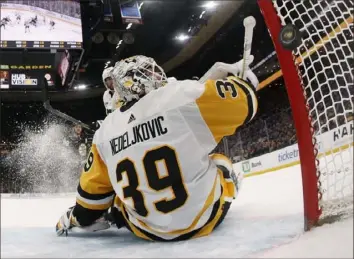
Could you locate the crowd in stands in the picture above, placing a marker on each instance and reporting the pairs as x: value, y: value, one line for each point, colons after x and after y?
x: 272, y: 131
x: 267, y: 134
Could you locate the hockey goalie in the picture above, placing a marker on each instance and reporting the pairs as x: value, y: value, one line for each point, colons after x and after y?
x: 150, y: 169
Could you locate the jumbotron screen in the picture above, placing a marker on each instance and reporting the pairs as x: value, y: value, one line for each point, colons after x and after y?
x: 40, y: 24
x: 25, y: 79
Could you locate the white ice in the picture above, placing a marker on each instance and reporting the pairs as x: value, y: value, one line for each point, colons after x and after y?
x: 63, y: 31
x: 266, y: 220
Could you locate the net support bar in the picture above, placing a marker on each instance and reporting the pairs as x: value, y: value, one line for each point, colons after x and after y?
x: 300, y: 116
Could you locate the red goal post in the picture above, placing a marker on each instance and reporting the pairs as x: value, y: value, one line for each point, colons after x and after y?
x: 308, y: 96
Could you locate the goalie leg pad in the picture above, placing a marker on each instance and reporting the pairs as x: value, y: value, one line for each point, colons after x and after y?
x: 224, y: 164
x: 114, y: 215
x: 68, y: 222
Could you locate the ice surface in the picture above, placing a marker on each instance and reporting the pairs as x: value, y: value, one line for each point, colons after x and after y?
x: 63, y: 31
x: 266, y: 220
x: 328, y: 241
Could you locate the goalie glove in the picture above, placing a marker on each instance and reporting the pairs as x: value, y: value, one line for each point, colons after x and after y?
x: 221, y: 70
x: 68, y: 222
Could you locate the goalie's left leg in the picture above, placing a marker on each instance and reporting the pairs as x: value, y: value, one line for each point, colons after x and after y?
x: 233, y: 179
x: 230, y: 185
x: 114, y: 214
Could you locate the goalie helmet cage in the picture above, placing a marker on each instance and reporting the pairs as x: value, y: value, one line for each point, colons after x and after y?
x: 319, y: 82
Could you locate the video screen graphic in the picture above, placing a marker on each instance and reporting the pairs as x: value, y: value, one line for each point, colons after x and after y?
x: 30, y: 80
x: 50, y: 79
x: 130, y: 13
x: 40, y: 24
x: 23, y: 80
x: 17, y: 78
x: 64, y: 66
x: 4, y: 79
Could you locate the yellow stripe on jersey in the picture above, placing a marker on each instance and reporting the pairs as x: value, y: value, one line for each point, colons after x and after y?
x: 251, y: 96
x: 226, y: 195
x: 133, y: 228
x: 227, y: 104
x: 120, y: 206
x: 207, y: 204
x: 95, y: 190
x: 93, y: 206
x: 223, y: 160
x: 119, y: 104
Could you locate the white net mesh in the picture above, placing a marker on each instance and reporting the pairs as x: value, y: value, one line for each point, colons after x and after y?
x: 324, y: 61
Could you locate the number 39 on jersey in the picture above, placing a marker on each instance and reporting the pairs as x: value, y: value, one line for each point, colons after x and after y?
x: 171, y: 180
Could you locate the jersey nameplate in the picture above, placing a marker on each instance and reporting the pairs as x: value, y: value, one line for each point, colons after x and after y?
x: 139, y: 133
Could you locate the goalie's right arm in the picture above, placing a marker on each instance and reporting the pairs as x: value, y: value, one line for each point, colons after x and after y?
x: 221, y: 70
x: 227, y: 104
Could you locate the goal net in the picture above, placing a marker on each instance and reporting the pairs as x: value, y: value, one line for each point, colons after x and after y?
x: 319, y: 80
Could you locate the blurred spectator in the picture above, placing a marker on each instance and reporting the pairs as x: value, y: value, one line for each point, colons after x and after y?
x: 265, y: 134
x: 76, y: 135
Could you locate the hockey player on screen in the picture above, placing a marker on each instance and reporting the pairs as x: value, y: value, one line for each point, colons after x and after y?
x: 33, y: 21
x: 2, y: 24
x: 4, y: 21
x: 51, y: 25
x: 27, y: 26
x: 151, y: 158
x: 18, y: 18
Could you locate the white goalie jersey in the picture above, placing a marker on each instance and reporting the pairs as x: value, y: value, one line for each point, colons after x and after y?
x: 155, y: 157
x: 110, y: 101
